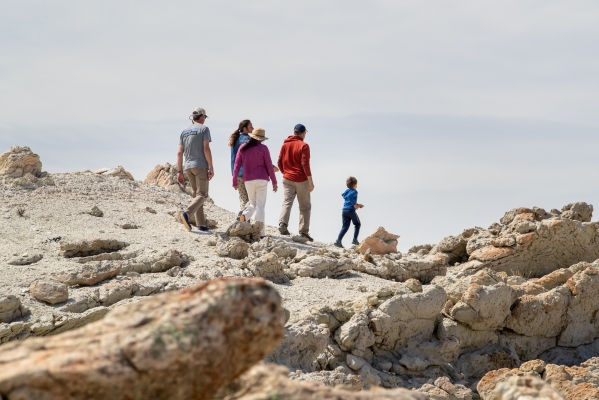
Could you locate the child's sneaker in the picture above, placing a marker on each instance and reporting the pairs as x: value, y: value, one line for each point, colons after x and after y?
x: 338, y: 244
x: 355, y: 242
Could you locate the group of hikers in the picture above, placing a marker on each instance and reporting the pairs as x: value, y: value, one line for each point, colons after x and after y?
x: 252, y: 169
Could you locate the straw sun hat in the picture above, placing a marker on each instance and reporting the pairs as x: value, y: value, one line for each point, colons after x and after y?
x: 258, y: 134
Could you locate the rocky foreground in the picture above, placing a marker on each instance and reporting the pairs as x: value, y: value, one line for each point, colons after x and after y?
x: 99, y: 260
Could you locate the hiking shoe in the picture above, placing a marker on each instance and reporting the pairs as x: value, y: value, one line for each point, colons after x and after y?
x: 185, y: 220
x: 338, y: 244
x: 283, y: 229
x: 355, y: 242
x: 204, y: 228
x: 307, y: 236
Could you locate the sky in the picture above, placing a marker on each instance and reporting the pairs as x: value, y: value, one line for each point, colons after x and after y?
x: 448, y: 113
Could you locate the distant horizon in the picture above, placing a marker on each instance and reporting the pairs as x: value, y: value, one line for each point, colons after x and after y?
x: 448, y: 114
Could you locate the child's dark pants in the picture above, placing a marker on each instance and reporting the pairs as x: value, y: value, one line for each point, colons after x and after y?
x: 347, y: 216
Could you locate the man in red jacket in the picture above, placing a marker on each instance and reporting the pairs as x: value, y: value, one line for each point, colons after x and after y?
x: 294, y: 163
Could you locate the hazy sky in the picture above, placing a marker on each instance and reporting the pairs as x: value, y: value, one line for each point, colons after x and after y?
x: 448, y: 113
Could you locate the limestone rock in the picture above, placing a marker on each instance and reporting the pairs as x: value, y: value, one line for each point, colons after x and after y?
x: 268, y: 267
x: 379, y: 242
x: 303, y: 342
x: 18, y: 161
x: 268, y: 381
x: 96, y: 212
x: 330, y: 378
x: 118, y: 172
x: 235, y: 248
x: 49, y: 291
x: 82, y: 248
x: 573, y: 382
x: 163, y: 175
x: 25, y: 259
x: 484, y: 308
x: 542, y: 245
x: 468, y: 338
x: 177, y: 345
x: 89, y: 274
x: 580, y: 322
x: 11, y: 308
x: 525, y: 387
x: 320, y: 267
x: 407, y: 318
x: 156, y: 262
x: 249, y: 232
x: 580, y: 211
x: 541, y: 315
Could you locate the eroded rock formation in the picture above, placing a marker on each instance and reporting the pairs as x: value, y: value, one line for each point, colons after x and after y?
x: 176, y: 345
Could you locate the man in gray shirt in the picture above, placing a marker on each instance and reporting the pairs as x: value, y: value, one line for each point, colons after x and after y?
x: 194, y: 144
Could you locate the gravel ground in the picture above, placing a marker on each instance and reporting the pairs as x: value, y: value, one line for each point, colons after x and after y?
x: 55, y: 208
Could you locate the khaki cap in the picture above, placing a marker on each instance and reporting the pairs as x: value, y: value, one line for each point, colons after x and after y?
x: 199, y: 111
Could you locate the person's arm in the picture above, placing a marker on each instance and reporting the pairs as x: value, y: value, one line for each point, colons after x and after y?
x: 270, y: 169
x: 306, y: 166
x: 180, y: 176
x: 208, y: 155
x: 280, y: 161
x: 237, y: 167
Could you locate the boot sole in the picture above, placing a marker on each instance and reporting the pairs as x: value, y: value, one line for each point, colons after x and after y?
x: 185, y: 224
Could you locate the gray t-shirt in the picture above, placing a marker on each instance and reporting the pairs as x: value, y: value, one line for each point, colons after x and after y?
x: 192, y: 139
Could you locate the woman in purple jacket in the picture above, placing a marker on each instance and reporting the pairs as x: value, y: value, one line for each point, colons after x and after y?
x: 257, y: 170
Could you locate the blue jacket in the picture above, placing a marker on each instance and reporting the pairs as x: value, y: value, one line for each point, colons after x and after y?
x: 243, y: 138
x: 351, y: 198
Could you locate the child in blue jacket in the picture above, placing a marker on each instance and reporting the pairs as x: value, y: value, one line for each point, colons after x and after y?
x: 349, y: 211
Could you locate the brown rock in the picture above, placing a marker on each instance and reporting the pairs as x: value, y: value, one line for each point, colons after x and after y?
x: 10, y: 308
x: 49, y: 291
x: 90, y: 274
x: 270, y: 381
x: 525, y: 387
x: 119, y: 172
x: 573, y: 382
x: 380, y: 242
x: 491, y: 253
x: 18, y: 161
x: 82, y: 248
x: 176, y: 345
x: 163, y: 175
x: 487, y: 384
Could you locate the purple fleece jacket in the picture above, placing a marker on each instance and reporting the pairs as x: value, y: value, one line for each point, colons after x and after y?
x: 256, y: 164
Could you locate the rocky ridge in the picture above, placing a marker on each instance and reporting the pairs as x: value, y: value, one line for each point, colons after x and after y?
x: 437, y: 320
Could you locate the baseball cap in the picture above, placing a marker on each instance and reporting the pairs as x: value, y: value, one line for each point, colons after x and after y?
x: 300, y: 128
x: 199, y: 111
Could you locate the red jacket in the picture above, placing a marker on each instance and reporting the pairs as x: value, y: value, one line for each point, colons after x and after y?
x: 294, y: 159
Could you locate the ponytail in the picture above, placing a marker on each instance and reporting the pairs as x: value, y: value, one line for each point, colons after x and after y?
x: 235, y: 135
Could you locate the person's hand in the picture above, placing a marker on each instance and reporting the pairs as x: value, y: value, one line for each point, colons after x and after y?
x: 274, y: 188
x: 311, y: 187
x: 235, y: 187
x: 210, y: 174
x: 275, y: 168
x: 181, y: 178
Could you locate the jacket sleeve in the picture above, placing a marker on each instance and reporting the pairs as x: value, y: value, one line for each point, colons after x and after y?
x: 306, y: 160
x: 353, y: 198
x: 269, y: 168
x: 238, y: 164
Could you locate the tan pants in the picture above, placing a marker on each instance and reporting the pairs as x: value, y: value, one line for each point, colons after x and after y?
x: 290, y: 191
x: 198, y: 178
x: 243, y: 194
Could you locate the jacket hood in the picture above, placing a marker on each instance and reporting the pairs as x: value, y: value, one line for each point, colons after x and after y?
x: 347, y: 193
x: 293, y: 138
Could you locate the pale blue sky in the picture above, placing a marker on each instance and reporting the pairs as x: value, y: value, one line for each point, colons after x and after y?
x: 448, y: 113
